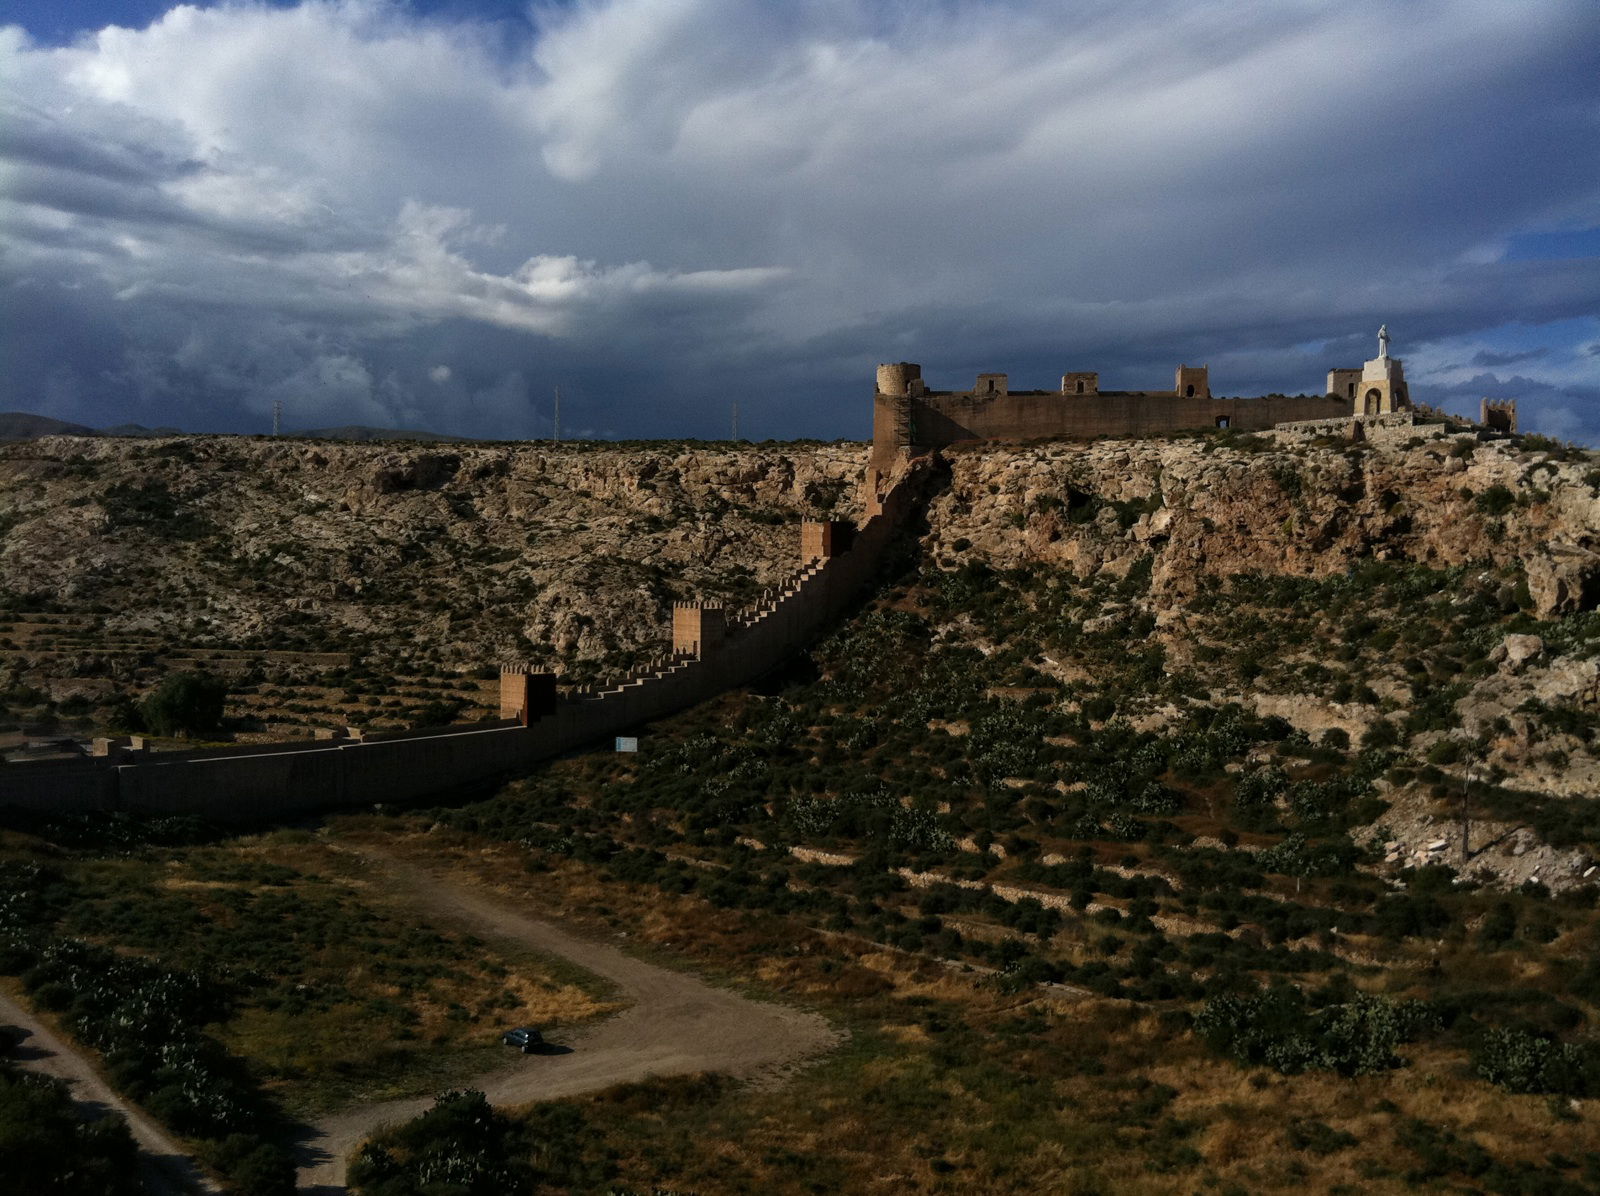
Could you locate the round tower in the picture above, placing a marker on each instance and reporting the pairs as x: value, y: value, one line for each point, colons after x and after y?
x: 899, y: 378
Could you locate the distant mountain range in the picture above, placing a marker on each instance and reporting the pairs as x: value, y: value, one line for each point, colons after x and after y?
x: 22, y: 425
x: 362, y: 432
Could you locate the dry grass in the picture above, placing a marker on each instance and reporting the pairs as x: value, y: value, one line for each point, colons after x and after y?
x: 949, y: 1085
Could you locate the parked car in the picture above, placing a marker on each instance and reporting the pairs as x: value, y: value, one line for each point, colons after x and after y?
x: 525, y: 1037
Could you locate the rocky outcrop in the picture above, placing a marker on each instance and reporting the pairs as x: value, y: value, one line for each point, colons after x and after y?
x: 569, y: 554
x: 1202, y: 508
x: 465, y: 554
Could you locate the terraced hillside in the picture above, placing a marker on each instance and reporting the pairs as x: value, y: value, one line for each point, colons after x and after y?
x: 369, y: 584
x: 1106, y: 911
x: 1210, y: 814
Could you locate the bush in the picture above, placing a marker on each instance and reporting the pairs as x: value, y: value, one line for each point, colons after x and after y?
x: 1522, y: 1061
x: 185, y: 704
x: 1276, y: 1028
x: 46, y: 1149
x: 460, y: 1147
x: 1495, y: 501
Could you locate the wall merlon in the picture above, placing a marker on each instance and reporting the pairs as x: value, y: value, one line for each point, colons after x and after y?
x: 1498, y: 415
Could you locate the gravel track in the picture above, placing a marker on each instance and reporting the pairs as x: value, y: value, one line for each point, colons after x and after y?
x: 163, y: 1165
x: 675, y: 1024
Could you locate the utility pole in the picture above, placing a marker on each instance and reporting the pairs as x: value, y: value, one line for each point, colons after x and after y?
x: 555, y: 427
x: 277, y: 417
x: 1466, y: 811
x: 736, y: 420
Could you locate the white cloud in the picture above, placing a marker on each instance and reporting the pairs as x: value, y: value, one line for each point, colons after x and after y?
x: 336, y: 200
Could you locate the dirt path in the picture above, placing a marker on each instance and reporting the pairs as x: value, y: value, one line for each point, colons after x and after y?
x: 675, y: 1024
x: 163, y: 1166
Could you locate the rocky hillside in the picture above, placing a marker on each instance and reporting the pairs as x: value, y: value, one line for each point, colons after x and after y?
x: 121, y: 560
x: 463, y: 555
x: 1215, y: 507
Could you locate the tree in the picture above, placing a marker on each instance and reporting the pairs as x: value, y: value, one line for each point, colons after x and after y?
x: 184, y: 704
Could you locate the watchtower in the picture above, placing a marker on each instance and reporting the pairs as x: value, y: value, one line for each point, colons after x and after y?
x: 1084, y: 383
x: 526, y: 696
x: 698, y: 628
x: 1193, y: 382
x: 823, y: 539
x: 901, y: 378
x: 1344, y: 383
x: 1498, y: 415
x: 991, y: 386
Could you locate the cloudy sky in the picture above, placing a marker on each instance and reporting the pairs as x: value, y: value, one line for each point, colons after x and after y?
x: 430, y: 214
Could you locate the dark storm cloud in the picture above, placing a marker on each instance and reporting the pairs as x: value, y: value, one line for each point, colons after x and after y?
x: 663, y: 205
x: 1485, y: 357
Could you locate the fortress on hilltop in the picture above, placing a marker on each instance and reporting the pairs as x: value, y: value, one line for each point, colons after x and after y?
x: 714, y: 648
x: 908, y: 418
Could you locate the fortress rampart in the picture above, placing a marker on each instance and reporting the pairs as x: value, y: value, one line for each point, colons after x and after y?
x: 713, y: 650
x: 908, y: 417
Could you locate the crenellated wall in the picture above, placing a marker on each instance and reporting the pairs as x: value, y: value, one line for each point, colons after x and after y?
x: 714, y: 650
x: 907, y: 416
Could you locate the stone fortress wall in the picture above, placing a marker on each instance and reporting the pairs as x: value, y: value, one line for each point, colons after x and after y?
x: 714, y: 649
x: 908, y: 417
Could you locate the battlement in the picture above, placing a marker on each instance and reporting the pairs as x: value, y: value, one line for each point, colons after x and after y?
x: 698, y: 628
x: 909, y: 417
x: 712, y: 651
x: 1498, y: 415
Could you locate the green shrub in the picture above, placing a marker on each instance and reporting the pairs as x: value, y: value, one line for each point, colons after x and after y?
x: 46, y: 1148
x: 185, y: 704
x: 1522, y: 1061
x: 460, y: 1147
x: 1276, y: 1028
x: 1495, y: 501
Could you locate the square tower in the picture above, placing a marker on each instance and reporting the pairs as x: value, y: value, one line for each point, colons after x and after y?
x: 698, y: 628
x: 1085, y: 383
x: 1193, y: 382
x: 1498, y: 415
x: 823, y: 539
x: 526, y: 696
x: 1344, y: 384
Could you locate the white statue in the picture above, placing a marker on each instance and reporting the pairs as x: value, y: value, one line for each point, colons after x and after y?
x: 1383, y: 340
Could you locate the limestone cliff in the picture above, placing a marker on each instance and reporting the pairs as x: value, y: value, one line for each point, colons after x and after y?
x: 1208, y: 508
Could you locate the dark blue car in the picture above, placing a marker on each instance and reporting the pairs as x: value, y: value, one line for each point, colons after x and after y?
x: 525, y: 1037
